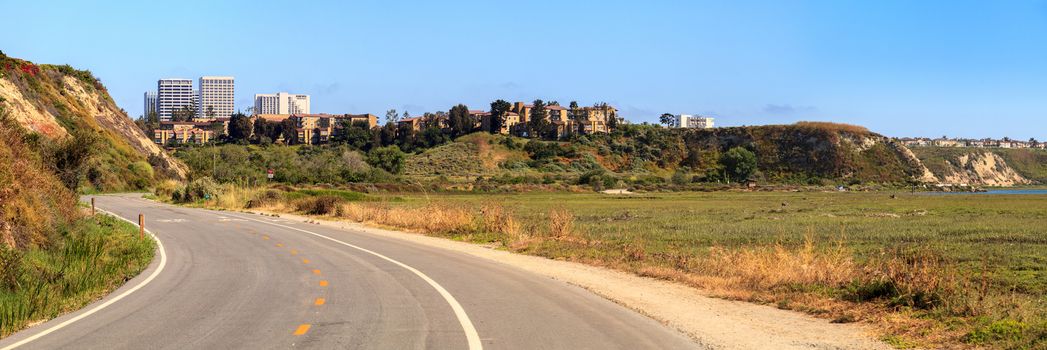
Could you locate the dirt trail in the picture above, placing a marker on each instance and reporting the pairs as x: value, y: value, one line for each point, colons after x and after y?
x: 713, y: 323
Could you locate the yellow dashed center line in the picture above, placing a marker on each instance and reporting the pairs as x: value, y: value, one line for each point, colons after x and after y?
x: 265, y: 237
x: 316, y: 272
x: 320, y: 301
x: 302, y: 329
x: 294, y: 252
x: 278, y: 245
x: 305, y: 261
x: 323, y: 283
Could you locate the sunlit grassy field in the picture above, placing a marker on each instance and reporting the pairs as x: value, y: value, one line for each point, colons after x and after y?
x: 988, y: 250
x: 929, y: 270
x: 1006, y: 234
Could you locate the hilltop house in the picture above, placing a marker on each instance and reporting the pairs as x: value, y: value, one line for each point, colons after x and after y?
x: 314, y: 129
x: 197, y: 132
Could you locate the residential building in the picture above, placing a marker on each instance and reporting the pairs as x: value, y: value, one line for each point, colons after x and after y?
x: 149, y: 104
x: 173, y: 94
x: 216, y: 97
x: 370, y: 119
x: 316, y: 129
x: 693, y: 121
x: 188, y: 132
x: 281, y: 103
x: 511, y: 119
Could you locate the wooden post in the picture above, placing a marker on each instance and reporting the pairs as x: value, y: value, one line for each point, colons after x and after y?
x: 141, y: 226
x: 93, y: 206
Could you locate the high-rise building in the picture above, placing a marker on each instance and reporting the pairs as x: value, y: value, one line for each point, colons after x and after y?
x: 216, y: 97
x: 281, y: 103
x: 173, y: 94
x: 149, y: 104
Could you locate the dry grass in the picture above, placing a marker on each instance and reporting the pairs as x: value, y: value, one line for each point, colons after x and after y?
x: 772, y: 267
x: 914, y: 294
x: 561, y: 223
x: 854, y: 129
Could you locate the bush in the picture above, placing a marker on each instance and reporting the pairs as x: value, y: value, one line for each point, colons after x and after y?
x: 143, y: 173
x: 389, y: 158
x: 268, y: 197
x: 199, y: 189
x: 322, y: 205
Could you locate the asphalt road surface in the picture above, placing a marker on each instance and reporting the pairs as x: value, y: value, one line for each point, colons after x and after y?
x: 239, y: 281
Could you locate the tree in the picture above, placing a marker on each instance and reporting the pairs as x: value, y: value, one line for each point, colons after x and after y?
x: 289, y: 130
x: 430, y: 137
x: 183, y: 114
x: 459, y: 121
x: 577, y: 116
x: 148, y: 123
x: 612, y: 122
x: 405, y: 136
x: 355, y: 135
x: 498, y: 110
x: 390, y: 158
x: 391, y: 116
x: 387, y: 134
x: 239, y: 128
x: 263, y: 129
x: 739, y: 163
x: 406, y: 115
x: 210, y: 112
x: 668, y: 119
x: 538, y: 122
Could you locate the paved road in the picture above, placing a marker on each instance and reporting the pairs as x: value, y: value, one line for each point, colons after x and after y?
x: 234, y: 280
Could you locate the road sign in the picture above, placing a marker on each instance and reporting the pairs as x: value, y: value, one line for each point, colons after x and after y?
x: 269, y: 173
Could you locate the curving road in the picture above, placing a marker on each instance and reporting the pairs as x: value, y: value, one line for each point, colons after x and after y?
x: 240, y: 281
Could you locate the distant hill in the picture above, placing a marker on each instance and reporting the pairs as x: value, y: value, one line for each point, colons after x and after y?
x: 802, y: 153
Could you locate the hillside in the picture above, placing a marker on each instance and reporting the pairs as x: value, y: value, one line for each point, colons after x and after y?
x: 62, y: 133
x: 988, y: 167
x: 57, y: 102
x: 804, y: 153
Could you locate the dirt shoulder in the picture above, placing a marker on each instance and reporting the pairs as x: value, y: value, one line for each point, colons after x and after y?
x: 712, y: 322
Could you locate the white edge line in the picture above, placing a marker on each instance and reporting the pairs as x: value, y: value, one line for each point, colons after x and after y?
x: 163, y: 262
x: 470, y: 331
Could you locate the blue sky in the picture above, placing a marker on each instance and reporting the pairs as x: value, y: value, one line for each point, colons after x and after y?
x: 902, y: 68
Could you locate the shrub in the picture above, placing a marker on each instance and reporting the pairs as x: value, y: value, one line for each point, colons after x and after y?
x: 143, y: 173
x: 389, y: 158
x: 322, y: 205
x: 739, y: 162
x: 199, y: 189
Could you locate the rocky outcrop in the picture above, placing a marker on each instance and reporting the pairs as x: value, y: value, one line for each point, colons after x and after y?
x: 921, y: 172
x: 981, y: 168
x: 53, y: 101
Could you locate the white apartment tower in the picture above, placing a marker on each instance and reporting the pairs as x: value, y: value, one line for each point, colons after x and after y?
x: 281, y: 103
x: 216, y: 95
x: 173, y: 94
x: 693, y: 121
x: 149, y: 104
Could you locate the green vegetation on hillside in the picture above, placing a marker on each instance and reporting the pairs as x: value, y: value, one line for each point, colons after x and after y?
x: 53, y: 258
x: 89, y: 258
x: 116, y: 164
x: 247, y: 164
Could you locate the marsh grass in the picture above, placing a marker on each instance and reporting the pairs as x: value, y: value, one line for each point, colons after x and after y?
x: 93, y: 256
